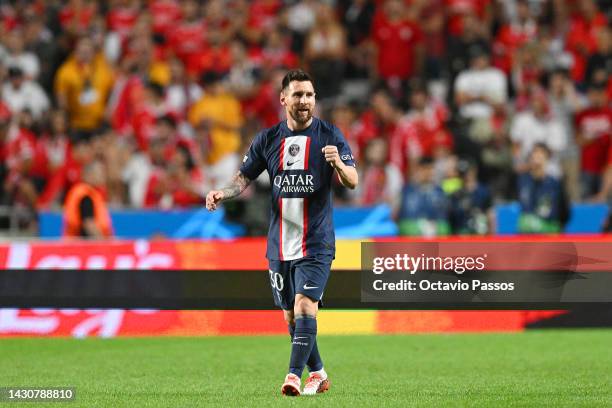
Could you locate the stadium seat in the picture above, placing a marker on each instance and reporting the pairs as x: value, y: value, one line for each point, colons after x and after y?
x: 506, y: 218
x: 361, y: 222
x: 587, y: 218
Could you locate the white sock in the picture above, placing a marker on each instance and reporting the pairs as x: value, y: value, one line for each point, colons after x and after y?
x: 321, y: 372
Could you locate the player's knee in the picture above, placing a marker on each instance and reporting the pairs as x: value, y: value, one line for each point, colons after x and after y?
x: 305, y: 306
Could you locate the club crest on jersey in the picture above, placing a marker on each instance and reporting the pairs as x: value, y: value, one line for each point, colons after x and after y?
x: 294, y: 149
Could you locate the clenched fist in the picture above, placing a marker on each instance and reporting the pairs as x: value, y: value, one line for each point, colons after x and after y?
x: 213, y: 198
x: 332, y: 156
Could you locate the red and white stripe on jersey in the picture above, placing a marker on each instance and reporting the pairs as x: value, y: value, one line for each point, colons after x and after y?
x: 293, y: 212
x: 293, y: 228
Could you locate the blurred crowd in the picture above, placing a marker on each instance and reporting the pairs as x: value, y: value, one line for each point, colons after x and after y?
x: 450, y: 106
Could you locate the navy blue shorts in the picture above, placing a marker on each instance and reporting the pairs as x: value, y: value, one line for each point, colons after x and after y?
x: 307, y: 276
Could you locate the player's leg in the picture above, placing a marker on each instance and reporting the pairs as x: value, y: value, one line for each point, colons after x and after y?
x: 305, y: 332
x: 314, y: 363
x: 305, y: 311
x: 310, y: 279
x: 283, y: 291
x: 291, y: 386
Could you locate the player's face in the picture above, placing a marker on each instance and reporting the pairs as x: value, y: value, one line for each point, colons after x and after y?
x: 299, y: 101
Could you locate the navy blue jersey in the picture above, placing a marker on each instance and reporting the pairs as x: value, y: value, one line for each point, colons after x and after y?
x: 301, y: 215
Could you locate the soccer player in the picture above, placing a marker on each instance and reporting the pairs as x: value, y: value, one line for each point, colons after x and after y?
x: 300, y: 154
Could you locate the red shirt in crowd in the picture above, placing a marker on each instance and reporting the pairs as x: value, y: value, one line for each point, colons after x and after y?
x: 20, y: 148
x: 123, y: 102
x: 80, y: 19
x: 156, y: 188
x: 5, y: 113
x: 581, y: 42
x: 264, y: 105
x: 595, y: 125
x: 183, y: 197
x: 509, y: 39
x: 143, y: 124
x: 9, y: 19
x: 273, y: 57
x: 121, y: 20
x: 187, y: 40
x: 263, y: 14
x: 62, y: 179
x: 131, y: 114
x: 163, y: 190
x: 418, y: 134
x: 218, y: 59
x: 396, y: 41
x: 165, y: 13
x: 370, y: 127
x: 50, y: 154
x: 456, y: 9
x: 434, y: 36
x: 374, y: 185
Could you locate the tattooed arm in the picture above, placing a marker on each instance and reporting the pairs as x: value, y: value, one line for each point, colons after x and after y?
x: 239, y: 183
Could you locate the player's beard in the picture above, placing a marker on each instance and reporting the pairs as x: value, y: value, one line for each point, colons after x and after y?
x: 301, y: 117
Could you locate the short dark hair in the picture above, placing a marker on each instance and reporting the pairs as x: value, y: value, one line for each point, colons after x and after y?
x: 477, y: 51
x: 167, y: 119
x: 210, y: 77
x: 184, y: 149
x: 156, y: 88
x: 426, y: 161
x: 296, y: 75
x: 15, y: 71
x: 543, y: 147
x: 597, y: 86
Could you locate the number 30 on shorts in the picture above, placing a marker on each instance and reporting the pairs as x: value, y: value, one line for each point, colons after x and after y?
x: 276, y: 280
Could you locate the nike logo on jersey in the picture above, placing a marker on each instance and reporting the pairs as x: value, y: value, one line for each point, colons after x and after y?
x: 306, y: 287
x: 289, y: 164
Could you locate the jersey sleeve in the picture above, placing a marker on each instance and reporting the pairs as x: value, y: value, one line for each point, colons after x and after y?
x: 254, y: 161
x: 344, y: 150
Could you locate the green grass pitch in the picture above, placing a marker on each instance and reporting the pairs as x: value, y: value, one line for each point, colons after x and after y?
x: 532, y: 369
